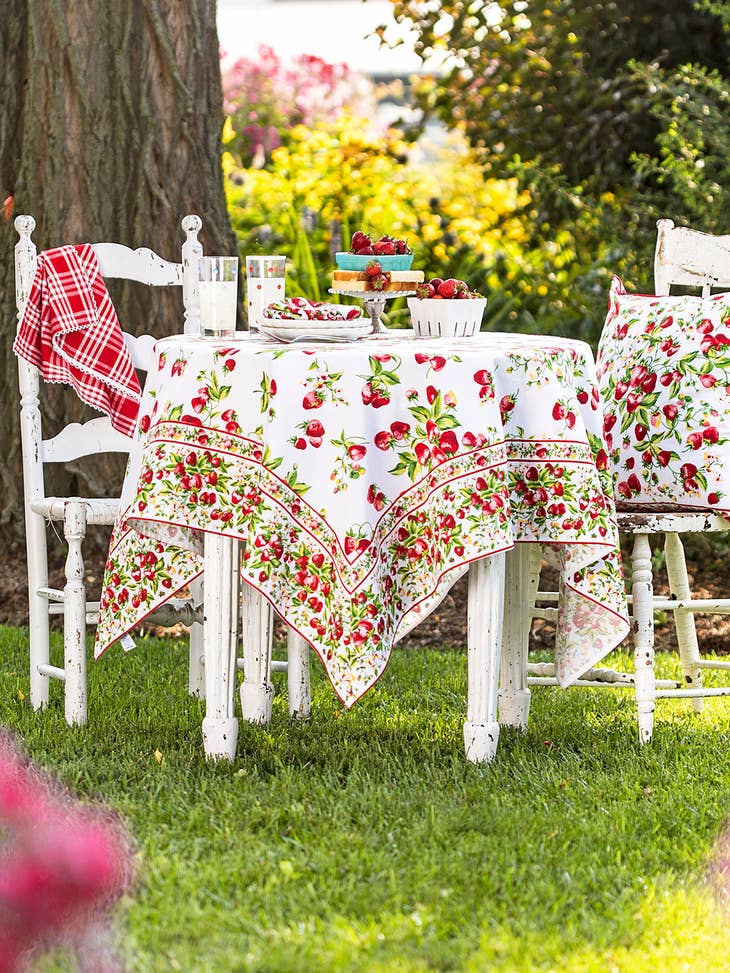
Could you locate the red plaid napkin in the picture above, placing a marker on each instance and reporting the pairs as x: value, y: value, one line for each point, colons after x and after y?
x: 71, y: 333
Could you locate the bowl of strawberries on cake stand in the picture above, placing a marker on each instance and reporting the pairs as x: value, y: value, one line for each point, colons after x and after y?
x: 375, y: 271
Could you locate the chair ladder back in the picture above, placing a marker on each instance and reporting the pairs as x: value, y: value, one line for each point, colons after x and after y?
x: 79, y: 439
x: 691, y: 258
x: 142, y: 265
x: 147, y: 267
x: 115, y: 261
x: 141, y: 350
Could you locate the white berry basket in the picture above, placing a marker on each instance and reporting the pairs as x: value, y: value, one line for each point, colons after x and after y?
x: 456, y: 318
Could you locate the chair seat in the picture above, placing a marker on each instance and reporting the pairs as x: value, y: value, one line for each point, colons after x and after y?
x: 657, y: 519
x: 99, y: 510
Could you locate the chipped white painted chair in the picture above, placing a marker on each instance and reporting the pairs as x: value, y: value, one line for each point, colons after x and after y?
x: 683, y: 257
x: 73, y: 442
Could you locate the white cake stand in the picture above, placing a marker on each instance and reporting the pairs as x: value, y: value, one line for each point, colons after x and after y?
x: 374, y: 304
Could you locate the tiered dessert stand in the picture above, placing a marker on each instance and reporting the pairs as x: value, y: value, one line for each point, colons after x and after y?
x: 374, y: 304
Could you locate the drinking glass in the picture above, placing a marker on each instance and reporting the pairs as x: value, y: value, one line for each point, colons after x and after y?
x: 265, y: 282
x: 218, y: 283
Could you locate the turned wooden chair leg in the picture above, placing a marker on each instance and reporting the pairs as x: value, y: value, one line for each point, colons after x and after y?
x: 643, y: 634
x: 297, y: 673
x: 220, y: 601
x: 522, y: 574
x: 257, y: 690
x: 689, y: 651
x: 74, y: 616
x: 484, y: 643
x: 196, y: 651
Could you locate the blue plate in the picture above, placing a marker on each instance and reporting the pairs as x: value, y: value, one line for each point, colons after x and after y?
x: 353, y: 261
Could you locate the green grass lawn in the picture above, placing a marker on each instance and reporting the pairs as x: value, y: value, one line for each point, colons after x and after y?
x: 363, y: 841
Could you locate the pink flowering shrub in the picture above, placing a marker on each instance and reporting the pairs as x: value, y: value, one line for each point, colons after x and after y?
x: 264, y: 98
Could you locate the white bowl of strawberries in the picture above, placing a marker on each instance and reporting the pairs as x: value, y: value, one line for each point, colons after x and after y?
x: 446, y: 309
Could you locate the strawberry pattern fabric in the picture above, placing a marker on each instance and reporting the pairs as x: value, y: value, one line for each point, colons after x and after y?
x: 363, y: 479
x: 664, y: 373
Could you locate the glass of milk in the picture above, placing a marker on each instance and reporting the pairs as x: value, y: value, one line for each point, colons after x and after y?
x: 218, y: 283
x: 265, y: 283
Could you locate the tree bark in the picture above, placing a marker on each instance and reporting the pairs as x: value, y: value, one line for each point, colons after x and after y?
x: 109, y: 131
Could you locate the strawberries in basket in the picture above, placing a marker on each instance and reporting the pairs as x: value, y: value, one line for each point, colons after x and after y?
x: 385, y: 246
x: 450, y: 289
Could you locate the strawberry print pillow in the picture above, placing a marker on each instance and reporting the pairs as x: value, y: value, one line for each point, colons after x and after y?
x: 664, y: 375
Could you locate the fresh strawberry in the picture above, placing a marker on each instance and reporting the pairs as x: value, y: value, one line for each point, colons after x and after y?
x: 447, y: 288
x: 401, y: 246
x: 373, y: 269
x: 436, y: 282
x: 380, y: 282
x: 425, y: 291
x: 359, y: 240
x: 384, y: 247
x: 365, y: 251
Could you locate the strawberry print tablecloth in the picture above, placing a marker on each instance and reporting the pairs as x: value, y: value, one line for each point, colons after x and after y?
x: 364, y: 478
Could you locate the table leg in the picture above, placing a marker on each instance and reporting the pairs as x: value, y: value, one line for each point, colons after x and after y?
x: 297, y: 670
x: 484, y: 643
x: 257, y: 691
x: 522, y: 573
x: 220, y: 630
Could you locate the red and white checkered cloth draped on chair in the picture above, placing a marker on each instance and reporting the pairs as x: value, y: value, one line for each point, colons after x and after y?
x: 71, y: 333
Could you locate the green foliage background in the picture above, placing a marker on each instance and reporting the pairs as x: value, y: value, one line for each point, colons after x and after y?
x: 612, y: 114
x: 575, y: 125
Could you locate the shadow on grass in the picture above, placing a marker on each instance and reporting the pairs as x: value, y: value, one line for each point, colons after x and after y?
x: 362, y: 840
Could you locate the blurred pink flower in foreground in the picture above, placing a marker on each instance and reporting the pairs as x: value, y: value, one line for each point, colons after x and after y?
x: 63, y: 865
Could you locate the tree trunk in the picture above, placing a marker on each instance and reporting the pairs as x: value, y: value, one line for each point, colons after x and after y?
x: 109, y: 131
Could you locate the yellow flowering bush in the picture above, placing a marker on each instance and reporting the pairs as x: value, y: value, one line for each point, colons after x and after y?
x: 330, y: 180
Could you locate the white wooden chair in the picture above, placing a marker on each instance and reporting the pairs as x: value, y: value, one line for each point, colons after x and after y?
x: 74, y: 441
x: 683, y: 257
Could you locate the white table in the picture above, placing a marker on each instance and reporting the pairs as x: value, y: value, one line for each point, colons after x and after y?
x: 357, y: 482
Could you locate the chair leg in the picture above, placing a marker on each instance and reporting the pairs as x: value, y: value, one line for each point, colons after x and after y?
x: 643, y: 631
x: 257, y: 691
x: 522, y: 574
x: 39, y: 628
x: 74, y: 615
x: 484, y: 643
x: 297, y: 674
x: 684, y: 621
x: 196, y: 652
